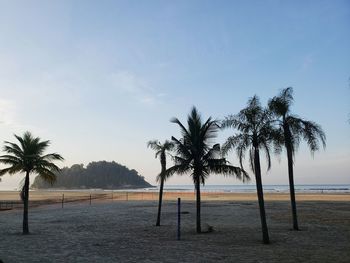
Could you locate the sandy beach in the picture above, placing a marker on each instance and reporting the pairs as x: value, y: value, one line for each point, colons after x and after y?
x: 69, y: 195
x: 124, y: 231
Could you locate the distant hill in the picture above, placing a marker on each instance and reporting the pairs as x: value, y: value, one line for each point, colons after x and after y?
x: 105, y: 175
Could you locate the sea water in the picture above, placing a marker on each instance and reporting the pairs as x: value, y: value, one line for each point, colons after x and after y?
x: 305, y: 188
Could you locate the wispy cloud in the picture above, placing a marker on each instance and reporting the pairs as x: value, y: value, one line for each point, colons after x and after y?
x: 138, y: 88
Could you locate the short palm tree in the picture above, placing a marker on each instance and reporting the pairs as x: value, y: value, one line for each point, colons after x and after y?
x: 161, y: 152
x: 292, y: 129
x: 196, y: 156
x: 28, y: 157
x: 255, y: 133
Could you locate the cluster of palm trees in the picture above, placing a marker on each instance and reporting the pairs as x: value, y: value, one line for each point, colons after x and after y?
x: 257, y: 129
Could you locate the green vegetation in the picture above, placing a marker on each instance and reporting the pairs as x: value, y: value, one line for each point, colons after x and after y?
x: 196, y: 156
x: 105, y: 175
x: 161, y: 152
x: 28, y: 157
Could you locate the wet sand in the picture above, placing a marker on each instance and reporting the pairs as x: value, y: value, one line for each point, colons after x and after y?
x: 124, y: 231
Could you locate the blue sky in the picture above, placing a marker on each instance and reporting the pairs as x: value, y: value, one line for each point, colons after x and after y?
x: 101, y: 78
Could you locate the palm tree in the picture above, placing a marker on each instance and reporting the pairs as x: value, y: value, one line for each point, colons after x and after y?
x: 28, y: 157
x: 195, y: 155
x: 292, y: 129
x: 255, y: 133
x: 161, y: 151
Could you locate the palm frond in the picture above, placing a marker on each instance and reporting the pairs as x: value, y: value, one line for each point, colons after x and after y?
x: 229, y: 144
x: 184, y: 131
x: 181, y: 149
x: 154, y: 145
x: 213, y: 152
x: 251, y: 158
x: 12, y: 148
x: 280, y: 105
x: 46, y: 174
x: 179, y: 169
x: 28, y: 157
x: 313, y: 134
x: 11, y: 170
x: 266, y: 147
x: 310, y: 131
x: 52, y: 157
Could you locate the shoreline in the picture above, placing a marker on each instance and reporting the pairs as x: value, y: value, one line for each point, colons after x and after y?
x: 57, y: 195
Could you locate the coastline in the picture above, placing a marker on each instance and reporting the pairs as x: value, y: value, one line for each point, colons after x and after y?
x: 125, y: 194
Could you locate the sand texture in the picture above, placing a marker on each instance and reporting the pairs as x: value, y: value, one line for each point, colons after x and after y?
x: 56, y: 196
x: 124, y: 231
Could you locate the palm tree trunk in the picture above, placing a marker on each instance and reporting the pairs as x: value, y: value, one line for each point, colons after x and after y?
x: 160, y: 201
x: 198, y: 204
x: 25, y: 205
x: 291, y: 187
x: 260, y: 194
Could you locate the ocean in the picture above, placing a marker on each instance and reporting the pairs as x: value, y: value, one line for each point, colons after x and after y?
x: 305, y: 188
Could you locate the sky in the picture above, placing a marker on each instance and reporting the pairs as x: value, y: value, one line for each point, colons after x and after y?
x: 101, y: 78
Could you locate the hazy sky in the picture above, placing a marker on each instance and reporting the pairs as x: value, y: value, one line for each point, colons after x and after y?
x: 101, y: 78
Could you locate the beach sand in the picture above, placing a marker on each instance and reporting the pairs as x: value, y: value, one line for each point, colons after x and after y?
x: 71, y: 195
x: 124, y: 231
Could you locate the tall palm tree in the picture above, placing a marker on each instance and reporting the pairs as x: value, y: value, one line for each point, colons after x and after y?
x: 161, y: 151
x: 195, y: 155
x: 28, y: 157
x: 292, y: 129
x: 255, y: 134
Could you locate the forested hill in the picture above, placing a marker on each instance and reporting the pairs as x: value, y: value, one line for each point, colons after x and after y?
x: 105, y: 175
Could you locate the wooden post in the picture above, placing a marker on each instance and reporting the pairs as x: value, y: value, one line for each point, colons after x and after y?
x: 178, y: 217
x: 62, y: 200
x: 112, y: 195
x: 127, y: 196
x: 90, y: 199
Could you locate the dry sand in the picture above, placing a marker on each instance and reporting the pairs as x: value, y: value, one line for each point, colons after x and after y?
x: 124, y: 231
x: 42, y: 195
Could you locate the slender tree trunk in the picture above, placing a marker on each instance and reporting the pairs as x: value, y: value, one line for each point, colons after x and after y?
x: 163, y: 165
x: 25, y: 205
x: 198, y: 204
x: 291, y: 187
x: 260, y: 194
x: 160, y: 201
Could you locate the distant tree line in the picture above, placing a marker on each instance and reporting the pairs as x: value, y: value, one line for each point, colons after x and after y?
x: 102, y: 174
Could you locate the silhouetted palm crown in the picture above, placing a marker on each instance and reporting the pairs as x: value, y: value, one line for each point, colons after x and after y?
x: 194, y: 153
x: 255, y: 131
x: 161, y: 152
x: 293, y: 128
x: 29, y: 157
